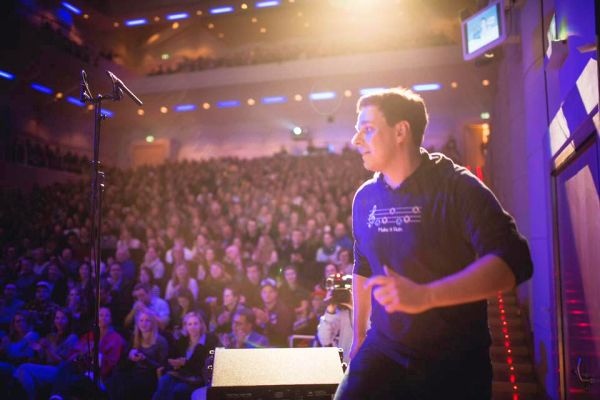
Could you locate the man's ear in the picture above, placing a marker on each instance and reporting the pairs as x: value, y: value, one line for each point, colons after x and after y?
x: 402, y: 129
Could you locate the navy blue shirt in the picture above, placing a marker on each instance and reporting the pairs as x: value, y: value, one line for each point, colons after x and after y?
x: 436, y: 223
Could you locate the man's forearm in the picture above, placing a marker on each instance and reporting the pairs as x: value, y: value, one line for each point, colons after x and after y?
x: 480, y: 280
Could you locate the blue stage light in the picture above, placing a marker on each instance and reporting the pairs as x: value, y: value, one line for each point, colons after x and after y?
x: 228, y: 104
x: 108, y: 113
x: 6, y: 75
x: 175, y: 17
x: 367, y: 91
x: 426, y: 87
x: 274, y: 100
x: 185, y: 107
x: 136, y: 22
x: 265, y: 4
x: 75, y: 101
x: 41, y: 88
x: 71, y: 8
x: 322, y: 96
x: 221, y: 10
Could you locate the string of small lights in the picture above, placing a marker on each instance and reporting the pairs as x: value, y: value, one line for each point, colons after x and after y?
x: 508, y: 348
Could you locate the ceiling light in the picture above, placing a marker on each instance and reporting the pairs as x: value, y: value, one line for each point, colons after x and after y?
x: 199, y: 12
x: 71, y: 8
x: 59, y: 95
x: 6, y: 75
x: 251, y: 102
x: 164, y: 110
x: 426, y: 87
x: 322, y: 96
x: 140, y: 111
x: 453, y: 85
x: 175, y: 25
x: 244, y: 6
x: 206, y: 106
x: 177, y: 16
x: 265, y: 4
x: 185, y: 107
x: 136, y: 22
x: 298, y: 97
x: 149, y: 138
x: 211, y: 26
x: 76, y: 102
x: 221, y: 35
x: 263, y: 30
x: 156, y: 19
x: 485, y: 82
x: 347, y: 93
x: 116, y: 24
x: 221, y: 10
x: 254, y: 20
x: 86, y: 16
x: 41, y: 88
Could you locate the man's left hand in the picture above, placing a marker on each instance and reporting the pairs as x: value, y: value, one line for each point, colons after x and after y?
x: 399, y: 294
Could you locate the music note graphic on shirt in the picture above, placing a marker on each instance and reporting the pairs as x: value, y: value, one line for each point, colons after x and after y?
x: 397, y: 216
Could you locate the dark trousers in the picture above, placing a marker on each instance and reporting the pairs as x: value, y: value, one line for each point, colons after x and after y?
x: 373, y: 375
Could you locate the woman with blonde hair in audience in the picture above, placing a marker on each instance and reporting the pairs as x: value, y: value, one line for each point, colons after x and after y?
x: 136, y: 377
x: 186, y: 365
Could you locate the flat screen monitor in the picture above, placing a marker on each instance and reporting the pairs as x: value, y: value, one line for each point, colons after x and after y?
x: 484, y: 30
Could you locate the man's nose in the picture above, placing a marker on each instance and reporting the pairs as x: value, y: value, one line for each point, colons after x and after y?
x: 356, y: 139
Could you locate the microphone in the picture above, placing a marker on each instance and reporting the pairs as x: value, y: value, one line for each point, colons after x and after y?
x: 120, y: 86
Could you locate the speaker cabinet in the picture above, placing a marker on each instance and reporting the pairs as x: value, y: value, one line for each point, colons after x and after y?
x: 280, y: 373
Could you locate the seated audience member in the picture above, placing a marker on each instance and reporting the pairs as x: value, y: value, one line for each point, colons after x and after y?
x: 204, y: 264
x: 179, y: 245
x: 232, y: 261
x: 341, y: 237
x: 9, y: 305
x: 181, y: 278
x: 221, y: 319
x: 56, y: 347
x: 120, y: 293
x: 123, y: 258
x: 274, y: 319
x: 328, y: 252
x: 73, y: 376
x: 187, y: 361
x: 181, y: 304
x: 85, y: 283
x: 152, y: 261
x: 243, y: 335
x: 69, y: 262
x: 18, y: 346
x: 136, y: 376
x: 335, y: 325
x: 345, y: 264
x: 42, y: 308
x: 57, y: 283
x: 146, y: 276
x: 79, y: 310
x: 250, y: 286
x: 265, y: 252
x: 40, y: 261
x: 25, y: 281
x: 142, y: 292
x: 291, y: 292
x: 212, y: 287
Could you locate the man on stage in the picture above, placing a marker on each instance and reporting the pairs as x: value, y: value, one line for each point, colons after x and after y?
x: 432, y: 243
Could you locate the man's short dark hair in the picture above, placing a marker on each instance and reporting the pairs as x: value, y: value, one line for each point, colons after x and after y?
x: 247, y: 313
x: 399, y: 104
x: 143, y: 285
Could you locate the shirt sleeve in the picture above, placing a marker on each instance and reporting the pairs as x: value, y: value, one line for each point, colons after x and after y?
x: 490, y: 229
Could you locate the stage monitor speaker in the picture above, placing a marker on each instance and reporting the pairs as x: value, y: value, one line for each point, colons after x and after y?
x: 282, y: 373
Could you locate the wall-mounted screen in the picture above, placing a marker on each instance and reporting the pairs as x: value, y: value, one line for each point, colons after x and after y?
x: 484, y: 30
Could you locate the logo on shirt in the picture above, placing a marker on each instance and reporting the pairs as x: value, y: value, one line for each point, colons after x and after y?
x: 392, y: 219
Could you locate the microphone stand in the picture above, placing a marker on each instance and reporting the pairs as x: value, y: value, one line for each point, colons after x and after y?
x: 97, y: 183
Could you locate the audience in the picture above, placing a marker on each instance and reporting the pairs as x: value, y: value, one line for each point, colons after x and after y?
x: 245, y: 238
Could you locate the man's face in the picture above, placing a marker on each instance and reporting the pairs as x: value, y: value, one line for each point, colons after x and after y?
x: 142, y: 296
x: 374, y: 139
x: 116, y: 272
x: 253, y: 274
x: 42, y: 293
x: 10, y: 291
x: 268, y: 294
x: 229, y: 298
x: 240, y: 326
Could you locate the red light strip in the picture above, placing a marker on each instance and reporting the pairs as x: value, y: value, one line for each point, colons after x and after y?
x: 508, y: 346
